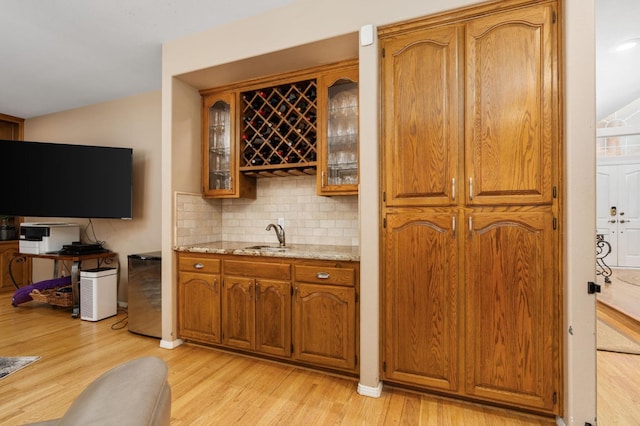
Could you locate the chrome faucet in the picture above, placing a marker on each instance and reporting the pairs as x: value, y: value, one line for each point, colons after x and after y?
x: 279, y: 233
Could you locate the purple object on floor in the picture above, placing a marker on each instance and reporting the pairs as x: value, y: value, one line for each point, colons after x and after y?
x: 21, y: 295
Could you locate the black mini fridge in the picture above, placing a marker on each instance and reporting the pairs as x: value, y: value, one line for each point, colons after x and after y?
x: 145, y: 295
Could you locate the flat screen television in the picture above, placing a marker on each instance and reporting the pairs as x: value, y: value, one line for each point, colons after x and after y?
x: 61, y: 180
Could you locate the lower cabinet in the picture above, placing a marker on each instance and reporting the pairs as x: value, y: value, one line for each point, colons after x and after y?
x: 474, y: 312
x: 301, y: 311
x: 325, y: 316
x: 199, y: 298
x: 11, y: 264
x: 256, y: 307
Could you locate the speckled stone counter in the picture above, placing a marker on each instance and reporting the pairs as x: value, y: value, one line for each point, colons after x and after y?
x: 297, y: 251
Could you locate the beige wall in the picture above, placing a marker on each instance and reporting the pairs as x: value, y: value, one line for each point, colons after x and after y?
x: 307, y: 22
x: 133, y: 122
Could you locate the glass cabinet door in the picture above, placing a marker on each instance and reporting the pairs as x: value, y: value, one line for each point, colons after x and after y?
x: 219, y: 146
x: 339, y: 144
x: 220, y: 175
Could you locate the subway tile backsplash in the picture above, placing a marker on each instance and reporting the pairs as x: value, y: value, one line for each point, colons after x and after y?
x: 309, y: 218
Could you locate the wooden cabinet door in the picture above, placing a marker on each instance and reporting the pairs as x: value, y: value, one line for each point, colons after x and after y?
x: 420, y: 315
x: 511, y: 107
x: 273, y: 317
x: 238, y: 315
x: 20, y: 266
x: 199, y: 307
x: 512, y: 308
x: 422, y: 119
x: 324, y: 325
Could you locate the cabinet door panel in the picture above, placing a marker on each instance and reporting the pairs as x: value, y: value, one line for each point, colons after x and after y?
x: 421, y: 300
x: 273, y: 317
x: 421, y: 117
x: 510, y: 108
x: 199, y: 307
x: 238, y: 316
x: 20, y: 266
x: 325, y: 325
x: 512, y: 308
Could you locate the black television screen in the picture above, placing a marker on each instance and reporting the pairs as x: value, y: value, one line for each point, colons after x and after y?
x: 61, y: 180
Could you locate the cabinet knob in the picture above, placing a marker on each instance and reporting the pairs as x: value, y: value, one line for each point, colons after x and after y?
x: 323, y: 275
x: 198, y: 265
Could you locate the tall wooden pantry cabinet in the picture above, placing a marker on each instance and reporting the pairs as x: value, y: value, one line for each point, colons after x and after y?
x: 471, y: 300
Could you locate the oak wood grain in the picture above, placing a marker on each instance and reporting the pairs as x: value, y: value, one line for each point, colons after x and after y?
x: 209, y: 386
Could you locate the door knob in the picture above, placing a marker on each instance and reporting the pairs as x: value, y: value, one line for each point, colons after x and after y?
x: 612, y: 221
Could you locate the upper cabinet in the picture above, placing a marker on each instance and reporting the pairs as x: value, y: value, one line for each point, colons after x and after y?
x: 301, y: 123
x: 511, y: 109
x: 422, y: 119
x: 220, y: 171
x: 338, y: 118
x: 470, y: 111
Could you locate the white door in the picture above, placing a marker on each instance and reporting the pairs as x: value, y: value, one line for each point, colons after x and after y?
x: 629, y: 215
x: 607, y: 208
x: 618, y: 212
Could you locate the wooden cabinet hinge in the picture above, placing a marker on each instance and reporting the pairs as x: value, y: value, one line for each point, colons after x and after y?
x: 555, y: 223
x: 356, y: 359
x: 554, y: 17
x: 384, y: 366
x: 554, y: 397
x: 384, y: 222
x: 554, y: 192
x: 292, y: 348
x: 383, y: 52
x: 384, y: 196
x: 357, y: 297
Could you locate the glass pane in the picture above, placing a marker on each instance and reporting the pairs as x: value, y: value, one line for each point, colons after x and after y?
x: 219, y: 146
x: 342, y: 134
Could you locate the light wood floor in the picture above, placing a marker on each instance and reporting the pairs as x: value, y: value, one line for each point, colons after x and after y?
x: 621, y: 295
x: 619, y: 374
x: 212, y: 387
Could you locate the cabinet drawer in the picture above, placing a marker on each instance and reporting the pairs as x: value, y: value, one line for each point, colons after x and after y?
x: 199, y: 264
x: 276, y: 271
x: 325, y: 275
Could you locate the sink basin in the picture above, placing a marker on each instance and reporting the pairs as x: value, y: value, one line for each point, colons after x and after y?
x: 268, y: 248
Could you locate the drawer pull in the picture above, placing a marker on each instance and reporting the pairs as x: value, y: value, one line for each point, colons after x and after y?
x: 198, y: 265
x: 323, y: 275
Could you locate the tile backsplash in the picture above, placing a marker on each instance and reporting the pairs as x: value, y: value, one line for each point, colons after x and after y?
x: 308, y: 218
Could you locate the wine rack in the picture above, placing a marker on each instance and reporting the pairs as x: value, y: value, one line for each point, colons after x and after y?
x: 279, y: 130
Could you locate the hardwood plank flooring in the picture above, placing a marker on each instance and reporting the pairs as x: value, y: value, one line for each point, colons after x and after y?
x: 622, y: 295
x: 619, y: 374
x: 211, y: 387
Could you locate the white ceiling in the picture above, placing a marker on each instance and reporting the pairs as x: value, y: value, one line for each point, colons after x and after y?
x: 62, y: 54
x: 617, y: 73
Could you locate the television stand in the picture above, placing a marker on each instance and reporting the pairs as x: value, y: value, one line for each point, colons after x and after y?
x: 76, y: 264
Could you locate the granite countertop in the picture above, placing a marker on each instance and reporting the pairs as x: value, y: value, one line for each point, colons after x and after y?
x: 299, y: 251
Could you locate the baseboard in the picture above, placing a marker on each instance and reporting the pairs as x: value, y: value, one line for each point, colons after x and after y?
x: 171, y: 344
x: 123, y: 305
x: 373, y: 392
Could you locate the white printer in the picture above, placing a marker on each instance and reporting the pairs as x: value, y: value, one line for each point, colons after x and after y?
x: 47, y: 237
